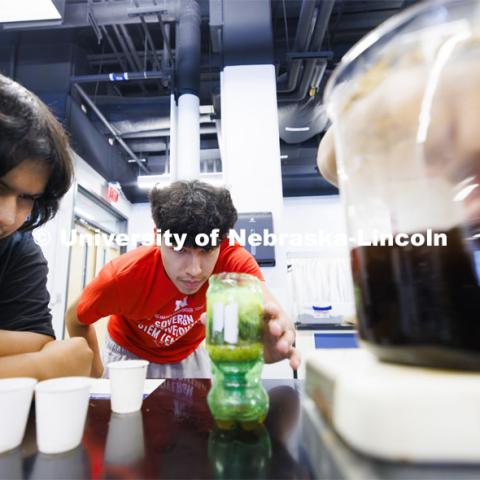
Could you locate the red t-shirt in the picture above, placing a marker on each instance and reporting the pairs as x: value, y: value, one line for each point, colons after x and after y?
x: 149, y: 316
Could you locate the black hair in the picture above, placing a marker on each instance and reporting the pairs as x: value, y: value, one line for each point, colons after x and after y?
x: 193, y: 207
x: 29, y: 131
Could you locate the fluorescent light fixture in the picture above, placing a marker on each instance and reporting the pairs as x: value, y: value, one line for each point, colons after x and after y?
x: 147, y: 182
x: 82, y: 106
x: 28, y: 11
x: 297, y: 129
x: 283, y: 156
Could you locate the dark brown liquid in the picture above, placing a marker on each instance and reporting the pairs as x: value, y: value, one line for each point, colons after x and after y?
x: 421, y: 305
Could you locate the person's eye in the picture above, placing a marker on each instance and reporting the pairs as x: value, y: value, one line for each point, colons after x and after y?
x: 27, y: 199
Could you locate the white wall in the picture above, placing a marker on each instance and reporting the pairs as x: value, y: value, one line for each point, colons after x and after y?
x: 310, y: 214
x: 49, y: 238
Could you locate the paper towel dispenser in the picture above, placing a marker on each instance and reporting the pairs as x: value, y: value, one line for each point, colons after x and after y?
x: 255, y: 228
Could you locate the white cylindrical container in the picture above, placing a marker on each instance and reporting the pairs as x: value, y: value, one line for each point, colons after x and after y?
x: 15, y: 399
x: 61, y: 410
x: 127, y: 379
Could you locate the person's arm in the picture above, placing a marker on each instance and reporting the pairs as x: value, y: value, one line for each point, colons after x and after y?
x: 15, y: 343
x: 77, y: 329
x: 279, y: 332
x: 56, y: 359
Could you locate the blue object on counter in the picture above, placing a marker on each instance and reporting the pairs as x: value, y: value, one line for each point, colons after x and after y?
x: 335, y: 340
x: 321, y: 309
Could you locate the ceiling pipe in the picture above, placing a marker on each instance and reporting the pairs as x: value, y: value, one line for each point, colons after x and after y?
x: 162, y: 133
x: 324, y: 12
x: 146, y: 31
x: 131, y: 47
x: 188, y: 49
x: 188, y: 43
x: 110, y: 41
x: 321, y: 24
x: 102, y: 118
x: 133, y: 61
x: 311, y: 79
x: 165, y: 29
x: 119, y: 77
x: 300, y: 44
x: 166, y: 53
x: 123, y: 46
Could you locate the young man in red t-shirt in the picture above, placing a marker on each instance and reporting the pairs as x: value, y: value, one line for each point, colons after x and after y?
x: 155, y: 295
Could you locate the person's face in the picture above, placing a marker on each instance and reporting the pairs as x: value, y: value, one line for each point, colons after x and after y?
x: 19, y: 188
x: 189, y: 268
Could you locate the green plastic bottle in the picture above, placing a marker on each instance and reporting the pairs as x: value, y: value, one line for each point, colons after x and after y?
x: 234, y: 343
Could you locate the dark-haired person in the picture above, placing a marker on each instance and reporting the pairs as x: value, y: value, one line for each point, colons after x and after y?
x: 35, y: 172
x: 155, y: 296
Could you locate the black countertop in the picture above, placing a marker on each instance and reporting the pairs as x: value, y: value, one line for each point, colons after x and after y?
x: 174, y: 437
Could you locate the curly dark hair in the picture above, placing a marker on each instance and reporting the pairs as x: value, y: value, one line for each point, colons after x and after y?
x: 193, y: 207
x: 29, y: 131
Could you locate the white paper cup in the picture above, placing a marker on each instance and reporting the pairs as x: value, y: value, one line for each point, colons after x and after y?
x: 15, y: 399
x: 61, y: 410
x: 127, y: 379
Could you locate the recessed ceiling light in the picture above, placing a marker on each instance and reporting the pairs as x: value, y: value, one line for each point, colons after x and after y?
x: 28, y: 11
x: 297, y: 129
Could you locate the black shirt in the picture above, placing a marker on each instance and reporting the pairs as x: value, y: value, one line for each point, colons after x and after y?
x: 23, y: 286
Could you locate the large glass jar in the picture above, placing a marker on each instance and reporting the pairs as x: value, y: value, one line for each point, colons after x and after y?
x: 405, y: 105
x: 234, y: 343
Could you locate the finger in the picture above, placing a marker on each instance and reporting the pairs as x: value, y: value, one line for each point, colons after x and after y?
x: 285, y: 344
x: 270, y: 311
x: 275, y: 328
x: 295, y: 359
x: 203, y: 318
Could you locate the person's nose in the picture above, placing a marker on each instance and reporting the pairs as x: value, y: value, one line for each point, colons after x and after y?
x: 194, y: 268
x: 8, y: 210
